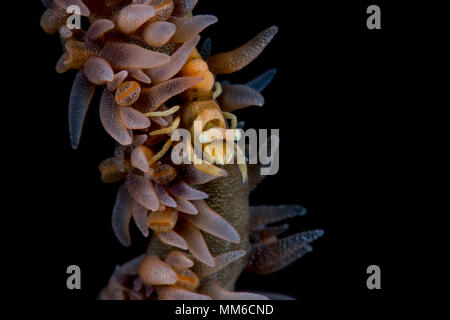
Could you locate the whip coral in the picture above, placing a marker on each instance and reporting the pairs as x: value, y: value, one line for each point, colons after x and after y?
x: 203, y: 233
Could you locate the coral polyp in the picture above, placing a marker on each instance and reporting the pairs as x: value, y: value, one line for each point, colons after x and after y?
x: 202, y: 232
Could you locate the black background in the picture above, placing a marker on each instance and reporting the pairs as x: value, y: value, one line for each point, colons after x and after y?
x: 338, y: 100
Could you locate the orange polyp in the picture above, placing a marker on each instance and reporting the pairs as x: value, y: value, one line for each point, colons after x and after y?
x: 162, y: 221
x: 198, y: 68
x: 110, y: 173
x: 193, y: 66
x: 207, y: 83
x: 186, y: 279
x: 164, y: 174
x: 127, y: 93
x: 76, y: 54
